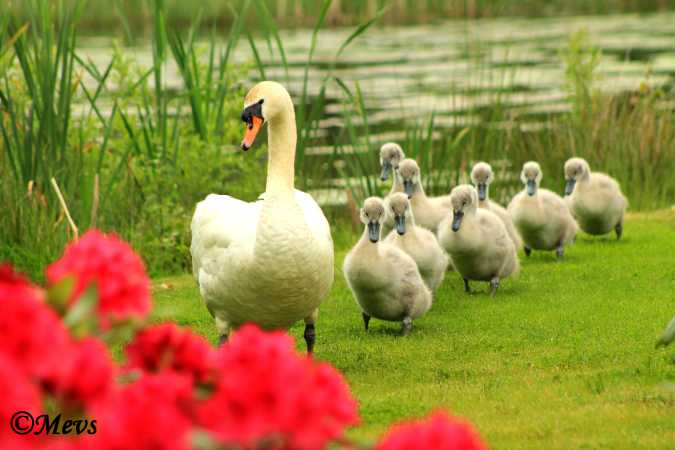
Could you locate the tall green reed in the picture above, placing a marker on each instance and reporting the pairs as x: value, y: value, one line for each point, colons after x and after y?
x: 310, y: 110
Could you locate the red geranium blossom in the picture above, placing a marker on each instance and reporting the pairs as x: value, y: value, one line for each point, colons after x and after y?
x: 16, y: 394
x: 269, y: 396
x: 168, y: 347
x: 85, y: 374
x: 148, y: 414
x: 118, y: 273
x: 33, y: 336
x: 437, y: 432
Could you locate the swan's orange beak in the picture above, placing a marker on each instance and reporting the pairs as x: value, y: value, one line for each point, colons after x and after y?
x: 252, y: 130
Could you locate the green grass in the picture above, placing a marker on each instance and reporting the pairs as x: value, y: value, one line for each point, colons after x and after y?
x: 562, y: 358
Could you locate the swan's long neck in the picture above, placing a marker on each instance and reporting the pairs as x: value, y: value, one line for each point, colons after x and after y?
x: 397, y: 185
x: 281, y: 140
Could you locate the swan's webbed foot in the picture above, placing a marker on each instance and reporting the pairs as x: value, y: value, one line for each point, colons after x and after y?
x: 494, y: 284
x: 222, y: 340
x: 407, y: 326
x: 366, y: 320
x: 528, y: 250
x: 467, y: 288
x: 310, y: 337
x: 560, y: 252
x: 618, y: 229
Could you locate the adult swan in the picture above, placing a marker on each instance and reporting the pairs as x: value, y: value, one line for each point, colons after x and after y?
x: 269, y: 262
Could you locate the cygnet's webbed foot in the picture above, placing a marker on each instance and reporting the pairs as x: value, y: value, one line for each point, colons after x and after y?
x: 560, y: 253
x: 310, y: 337
x: 366, y: 320
x: 528, y: 250
x: 618, y: 229
x: 494, y: 284
x: 467, y: 288
x: 407, y: 326
x: 222, y: 340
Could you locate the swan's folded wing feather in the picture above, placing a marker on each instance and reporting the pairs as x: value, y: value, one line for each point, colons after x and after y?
x: 316, y: 221
x: 219, y: 222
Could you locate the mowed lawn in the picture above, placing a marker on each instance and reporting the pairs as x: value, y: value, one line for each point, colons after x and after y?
x: 562, y: 358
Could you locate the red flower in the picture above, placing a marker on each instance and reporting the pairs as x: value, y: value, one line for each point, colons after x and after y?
x: 437, y: 432
x: 269, y: 396
x: 168, y: 347
x: 148, y: 414
x: 118, y: 273
x: 33, y: 336
x: 17, y: 394
x: 85, y: 376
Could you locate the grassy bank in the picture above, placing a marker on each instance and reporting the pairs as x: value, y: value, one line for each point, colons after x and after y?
x: 562, y: 358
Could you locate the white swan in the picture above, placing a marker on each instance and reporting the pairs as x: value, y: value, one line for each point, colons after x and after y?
x: 477, y: 241
x: 384, y: 280
x: 594, y: 199
x: 541, y: 216
x: 418, y: 242
x: 428, y: 211
x: 270, y: 261
x: 481, y: 177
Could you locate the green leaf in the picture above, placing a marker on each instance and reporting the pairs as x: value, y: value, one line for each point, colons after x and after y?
x: 81, y: 318
x: 59, y: 294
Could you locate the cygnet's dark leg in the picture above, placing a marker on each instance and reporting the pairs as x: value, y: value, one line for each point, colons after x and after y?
x: 619, y: 230
x: 222, y: 340
x: 366, y: 320
x: 560, y: 252
x: 310, y: 337
x: 494, y: 284
x: 467, y: 288
x: 407, y: 326
x: 528, y: 250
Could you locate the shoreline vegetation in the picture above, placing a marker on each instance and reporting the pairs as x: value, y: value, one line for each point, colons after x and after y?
x: 138, y: 14
x: 129, y: 152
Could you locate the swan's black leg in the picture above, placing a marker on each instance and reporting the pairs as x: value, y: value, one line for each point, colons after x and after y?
x: 560, y: 252
x: 619, y: 230
x: 407, y: 326
x: 467, y: 288
x: 310, y: 337
x: 494, y: 284
x: 366, y: 320
x: 528, y: 251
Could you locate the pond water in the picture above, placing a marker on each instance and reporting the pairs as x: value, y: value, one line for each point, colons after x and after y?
x: 457, y: 68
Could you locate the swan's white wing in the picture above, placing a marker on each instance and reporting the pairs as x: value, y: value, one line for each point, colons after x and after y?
x: 316, y: 221
x: 223, y: 233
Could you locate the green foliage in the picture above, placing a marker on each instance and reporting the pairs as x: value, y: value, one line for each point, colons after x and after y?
x: 136, y: 168
x: 136, y: 14
x: 581, y: 63
x: 629, y: 136
x: 563, y: 357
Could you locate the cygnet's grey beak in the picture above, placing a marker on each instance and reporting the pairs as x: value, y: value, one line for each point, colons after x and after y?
x: 408, y: 188
x: 482, y: 191
x: 569, y: 186
x: 531, y: 187
x: 400, y: 224
x: 386, y: 170
x: 374, y: 231
x: 457, y: 220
